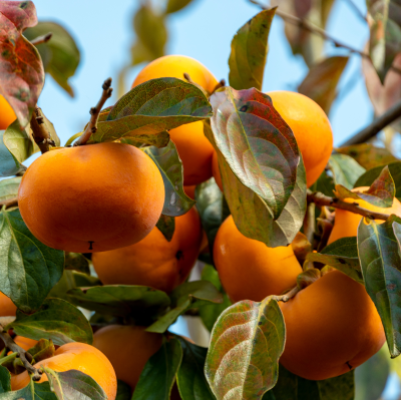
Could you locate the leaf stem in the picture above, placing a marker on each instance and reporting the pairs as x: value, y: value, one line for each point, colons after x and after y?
x: 289, y: 295
x: 39, y: 132
x: 42, y: 39
x: 94, y: 112
x: 322, y: 200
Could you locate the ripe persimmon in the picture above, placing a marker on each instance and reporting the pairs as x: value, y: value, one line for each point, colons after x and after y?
x: 79, y: 356
x: 311, y: 128
x: 128, y: 348
x: 332, y: 326
x: 7, y: 114
x: 25, y: 343
x: 7, y: 307
x: 192, y: 145
x: 346, y: 223
x: 154, y: 261
x: 248, y: 269
x: 91, y: 198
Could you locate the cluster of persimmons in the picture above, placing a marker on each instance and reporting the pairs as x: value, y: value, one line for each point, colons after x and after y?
x: 109, y: 199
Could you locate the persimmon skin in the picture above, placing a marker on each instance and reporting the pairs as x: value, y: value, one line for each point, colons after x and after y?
x: 79, y: 356
x: 128, y: 348
x: 154, y: 261
x: 7, y: 114
x: 346, y: 223
x: 311, y: 128
x: 91, y: 198
x: 332, y: 326
x: 7, y: 307
x: 25, y: 343
x: 248, y: 269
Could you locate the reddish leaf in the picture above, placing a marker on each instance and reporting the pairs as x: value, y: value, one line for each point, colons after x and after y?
x: 21, y: 68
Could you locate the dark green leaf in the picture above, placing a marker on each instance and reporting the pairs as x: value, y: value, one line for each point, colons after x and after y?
x: 176, y: 202
x: 28, y: 268
x: 320, y: 84
x: 8, y: 165
x: 166, y: 226
x: 123, y: 391
x: 325, y: 184
x: 56, y: 320
x: 138, y: 302
x: 42, y: 350
x: 158, y: 376
x: 250, y: 351
x: 191, y: 379
x: 76, y: 262
x: 5, y: 380
x: 176, y: 5
x: 9, y: 188
x: 345, y: 169
x: 74, y: 384
x: 34, y: 391
x: 60, y: 55
x: 249, y: 50
x: 151, y: 108
x: 379, y: 254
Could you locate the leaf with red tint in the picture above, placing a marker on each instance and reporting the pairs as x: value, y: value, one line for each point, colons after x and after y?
x: 21, y: 69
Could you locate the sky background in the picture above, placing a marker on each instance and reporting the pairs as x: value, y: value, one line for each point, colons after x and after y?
x: 103, y: 31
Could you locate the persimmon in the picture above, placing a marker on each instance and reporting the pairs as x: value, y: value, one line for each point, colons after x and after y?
x: 192, y: 145
x: 346, y: 223
x: 311, y: 128
x: 128, y: 348
x: 79, y: 356
x: 7, y: 114
x: 154, y: 261
x: 91, y: 198
x: 216, y: 171
x: 7, y: 307
x: 25, y: 343
x: 248, y: 269
x: 332, y: 326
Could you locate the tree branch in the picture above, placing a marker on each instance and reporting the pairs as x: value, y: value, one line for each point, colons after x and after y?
x: 42, y: 39
x: 25, y: 357
x: 39, y: 132
x: 94, y: 112
x: 376, y: 126
x: 322, y: 200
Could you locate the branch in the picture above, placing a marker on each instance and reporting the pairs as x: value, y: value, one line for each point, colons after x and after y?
x: 322, y: 200
x: 25, y: 357
x: 288, y: 296
x: 376, y: 126
x: 39, y: 132
x: 42, y: 39
x: 94, y: 112
x: 10, y: 202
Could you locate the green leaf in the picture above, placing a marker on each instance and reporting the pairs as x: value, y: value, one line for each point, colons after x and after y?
x: 176, y: 5
x: 166, y: 225
x: 191, y: 380
x: 74, y: 384
x: 76, y: 262
x: 379, y: 254
x: 367, y: 155
x: 123, y: 391
x: 325, y: 184
x: 9, y: 166
x: 151, y: 108
x: 247, y: 342
x: 345, y: 169
x: 249, y: 50
x: 161, y: 139
x: 138, y: 302
x: 34, y: 391
x: 320, y: 84
x: 5, y: 380
x: 42, y: 350
x: 371, y: 377
x: 60, y: 54
x: 56, y: 320
x: 176, y: 202
x: 28, y: 268
x: 9, y: 188
x: 158, y: 376
x: 342, y: 255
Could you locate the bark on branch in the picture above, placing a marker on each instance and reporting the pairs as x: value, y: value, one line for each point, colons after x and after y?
x: 39, y: 132
x: 42, y: 39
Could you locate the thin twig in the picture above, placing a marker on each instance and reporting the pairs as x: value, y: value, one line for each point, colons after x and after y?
x: 10, y: 202
x: 94, y: 112
x: 376, y: 126
x: 25, y: 357
x: 42, y: 39
x: 39, y: 132
x: 322, y: 200
x: 288, y: 296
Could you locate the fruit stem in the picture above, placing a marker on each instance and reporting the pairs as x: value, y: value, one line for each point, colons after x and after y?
x: 94, y: 112
x: 39, y: 132
x: 25, y: 357
x: 322, y: 200
x: 42, y: 39
x: 289, y: 295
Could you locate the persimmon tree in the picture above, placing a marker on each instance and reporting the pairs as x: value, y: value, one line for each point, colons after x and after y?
x: 264, y: 191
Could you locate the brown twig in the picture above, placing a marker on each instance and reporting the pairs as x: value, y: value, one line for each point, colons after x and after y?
x: 221, y: 84
x: 94, y: 112
x: 10, y: 202
x: 322, y: 200
x: 376, y: 126
x: 39, y: 132
x: 25, y: 357
x: 42, y: 39
x: 289, y: 295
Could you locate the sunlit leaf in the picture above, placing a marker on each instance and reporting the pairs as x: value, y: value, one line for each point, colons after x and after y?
x: 345, y: 169
x: 9, y: 188
x: 176, y: 5
x: 9, y: 166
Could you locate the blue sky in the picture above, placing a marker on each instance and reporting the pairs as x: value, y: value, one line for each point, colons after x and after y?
x: 204, y: 31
